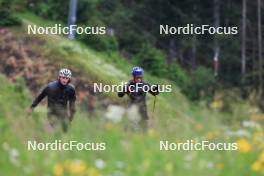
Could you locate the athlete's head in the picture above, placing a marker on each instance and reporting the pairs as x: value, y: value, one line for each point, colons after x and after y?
x: 137, y: 73
x: 64, y: 76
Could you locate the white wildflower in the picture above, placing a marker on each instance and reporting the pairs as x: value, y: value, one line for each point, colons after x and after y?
x: 99, y: 163
x: 114, y: 113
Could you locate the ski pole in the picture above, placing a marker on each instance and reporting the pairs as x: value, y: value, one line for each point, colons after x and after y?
x: 154, y: 105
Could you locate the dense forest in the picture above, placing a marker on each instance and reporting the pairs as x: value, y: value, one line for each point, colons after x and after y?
x: 195, y: 62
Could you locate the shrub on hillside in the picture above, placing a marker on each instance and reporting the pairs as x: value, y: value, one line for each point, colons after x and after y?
x: 151, y: 59
x: 176, y: 73
x: 100, y: 42
x: 202, y: 84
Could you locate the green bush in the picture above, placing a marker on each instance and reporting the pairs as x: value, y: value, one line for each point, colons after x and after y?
x: 50, y: 9
x: 202, y: 84
x: 151, y: 59
x: 100, y: 42
x: 176, y: 73
x: 6, y: 16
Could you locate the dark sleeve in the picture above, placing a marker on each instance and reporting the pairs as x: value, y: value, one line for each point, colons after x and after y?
x: 40, y: 97
x: 124, y: 91
x: 72, y: 103
x: 155, y: 91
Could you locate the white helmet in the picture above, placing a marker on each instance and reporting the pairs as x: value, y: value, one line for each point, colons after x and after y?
x: 65, y: 73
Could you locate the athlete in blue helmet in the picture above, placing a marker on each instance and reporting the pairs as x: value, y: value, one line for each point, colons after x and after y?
x: 137, y: 72
x: 137, y: 89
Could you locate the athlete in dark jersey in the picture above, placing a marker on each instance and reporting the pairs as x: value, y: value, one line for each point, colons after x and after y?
x: 60, y: 94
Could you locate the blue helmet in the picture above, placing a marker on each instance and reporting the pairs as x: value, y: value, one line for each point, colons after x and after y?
x: 137, y: 71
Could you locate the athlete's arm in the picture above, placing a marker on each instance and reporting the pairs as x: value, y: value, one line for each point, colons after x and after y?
x: 39, y: 98
x: 154, y: 91
x: 124, y: 91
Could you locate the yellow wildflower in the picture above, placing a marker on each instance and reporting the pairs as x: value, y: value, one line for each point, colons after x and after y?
x: 93, y: 172
x: 243, y: 146
x: 220, y: 166
x: 256, y: 166
x: 77, y: 167
x: 210, y: 135
x: 58, y: 170
x: 216, y: 104
x: 261, y: 157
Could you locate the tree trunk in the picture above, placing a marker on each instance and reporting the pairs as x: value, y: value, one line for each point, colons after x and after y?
x: 260, y: 48
x: 72, y: 17
x: 243, y: 45
x: 194, y: 39
x: 216, y: 44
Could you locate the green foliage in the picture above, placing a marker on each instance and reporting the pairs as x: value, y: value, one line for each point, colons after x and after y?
x: 100, y: 42
x: 103, y: 42
x: 199, y: 85
x: 176, y: 73
x: 87, y: 10
x: 202, y: 84
x: 151, y: 59
x: 6, y: 15
x: 50, y: 9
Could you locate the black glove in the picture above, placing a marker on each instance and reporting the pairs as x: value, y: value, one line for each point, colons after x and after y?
x: 156, y: 90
